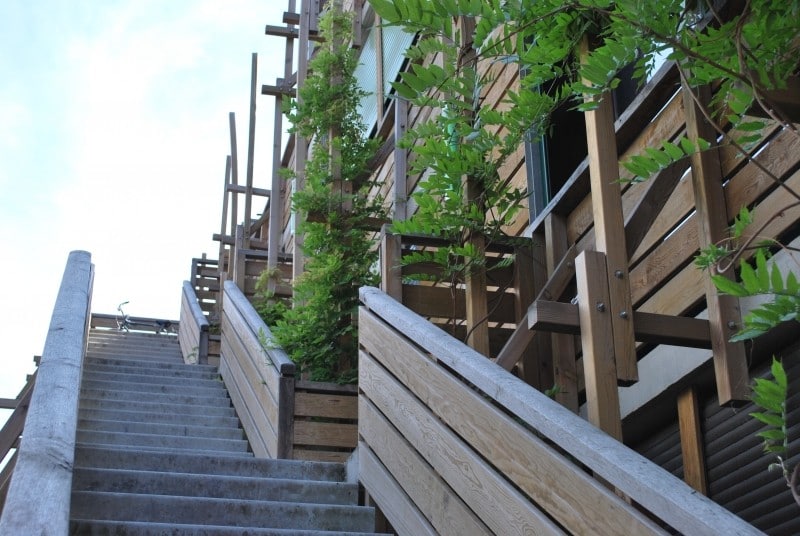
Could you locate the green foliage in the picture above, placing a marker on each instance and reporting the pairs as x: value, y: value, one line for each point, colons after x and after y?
x: 770, y: 397
x: 317, y: 329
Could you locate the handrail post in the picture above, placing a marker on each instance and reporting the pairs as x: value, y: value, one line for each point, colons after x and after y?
x: 38, y: 500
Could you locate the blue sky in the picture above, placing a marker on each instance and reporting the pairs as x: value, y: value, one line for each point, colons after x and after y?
x: 113, y: 137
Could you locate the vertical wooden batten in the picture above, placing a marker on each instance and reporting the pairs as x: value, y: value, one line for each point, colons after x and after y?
x: 565, y: 372
x: 724, y: 316
x: 694, y: 466
x: 301, y: 147
x: 610, y: 228
x: 251, y: 149
x: 597, y: 341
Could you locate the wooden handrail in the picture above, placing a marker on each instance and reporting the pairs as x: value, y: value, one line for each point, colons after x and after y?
x: 38, y: 500
x: 661, y: 494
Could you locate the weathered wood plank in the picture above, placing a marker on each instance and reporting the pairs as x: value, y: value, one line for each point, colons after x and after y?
x: 650, y: 327
x: 444, y: 302
x: 653, y: 488
x: 609, y: 227
x: 599, y: 369
x: 391, y: 257
x: 689, y: 424
x: 730, y: 361
x: 401, y: 512
x: 326, y: 405
x: 561, y: 489
x: 503, y: 509
x: 325, y: 434
x: 258, y: 425
x: 439, y: 503
x: 565, y: 374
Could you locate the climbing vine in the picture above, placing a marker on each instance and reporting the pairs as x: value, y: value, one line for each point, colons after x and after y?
x: 745, y: 56
x: 317, y: 327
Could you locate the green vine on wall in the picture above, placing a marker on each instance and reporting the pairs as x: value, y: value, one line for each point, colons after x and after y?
x: 745, y: 56
x: 317, y: 327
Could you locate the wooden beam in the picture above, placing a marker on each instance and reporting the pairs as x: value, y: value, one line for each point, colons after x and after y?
x: 301, y: 143
x: 565, y: 373
x: 391, y: 257
x: 400, y: 160
x: 291, y: 18
x: 223, y: 231
x: 240, y: 189
x: 278, y: 91
x: 694, y: 465
x: 730, y: 361
x: 609, y: 227
x: 597, y: 341
x: 560, y: 317
x: 530, y: 275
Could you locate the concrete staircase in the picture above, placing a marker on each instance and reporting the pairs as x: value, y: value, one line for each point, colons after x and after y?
x: 159, y: 451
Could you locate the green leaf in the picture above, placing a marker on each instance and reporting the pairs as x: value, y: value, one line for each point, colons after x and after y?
x: 728, y: 286
x: 769, y: 419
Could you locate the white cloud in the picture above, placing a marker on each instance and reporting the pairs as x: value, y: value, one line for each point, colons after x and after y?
x: 129, y: 161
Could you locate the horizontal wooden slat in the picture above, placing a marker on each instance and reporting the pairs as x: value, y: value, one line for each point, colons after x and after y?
x: 437, y: 501
x: 259, y: 427
x: 400, y: 511
x: 325, y: 434
x: 325, y: 405
x: 650, y: 486
x: 504, y: 509
x: 557, y: 485
x: 562, y: 317
x: 444, y: 302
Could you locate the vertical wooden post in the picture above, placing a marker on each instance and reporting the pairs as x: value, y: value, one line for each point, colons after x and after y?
x: 694, y: 466
x: 276, y: 199
x: 223, y: 228
x: 610, y: 227
x: 301, y: 144
x: 477, y: 323
x: 234, y: 171
x: 529, y: 278
x: 563, y: 345
x: 597, y: 340
x: 391, y: 275
x: 724, y: 316
x: 251, y: 149
x: 400, y: 160
x: 239, y: 259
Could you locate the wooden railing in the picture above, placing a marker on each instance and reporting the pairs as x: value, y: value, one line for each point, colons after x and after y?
x: 11, y: 433
x: 452, y: 443
x: 258, y: 375
x: 325, y: 421
x: 193, y: 330
x: 38, y: 500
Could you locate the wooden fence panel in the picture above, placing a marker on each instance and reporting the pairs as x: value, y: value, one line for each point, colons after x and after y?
x: 192, y: 328
x: 427, y: 386
x: 260, y: 378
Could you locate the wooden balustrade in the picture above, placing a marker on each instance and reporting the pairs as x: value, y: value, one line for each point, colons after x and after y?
x: 193, y: 327
x: 12, y: 432
x: 259, y: 377
x: 38, y: 500
x: 452, y: 443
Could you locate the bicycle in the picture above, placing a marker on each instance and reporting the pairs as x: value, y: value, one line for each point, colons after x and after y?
x: 126, y: 323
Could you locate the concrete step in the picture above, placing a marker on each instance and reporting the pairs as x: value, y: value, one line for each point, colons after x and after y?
x: 150, y: 379
x: 148, y: 366
x: 216, y: 391
x: 220, y: 486
x: 132, y: 440
x: 213, y: 511
x: 170, y: 398
x: 111, y: 414
x: 163, y: 451
x: 159, y: 407
x: 185, y: 371
x: 120, y: 397
x: 150, y: 357
x: 161, y: 429
x: 133, y: 528
x: 110, y: 457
